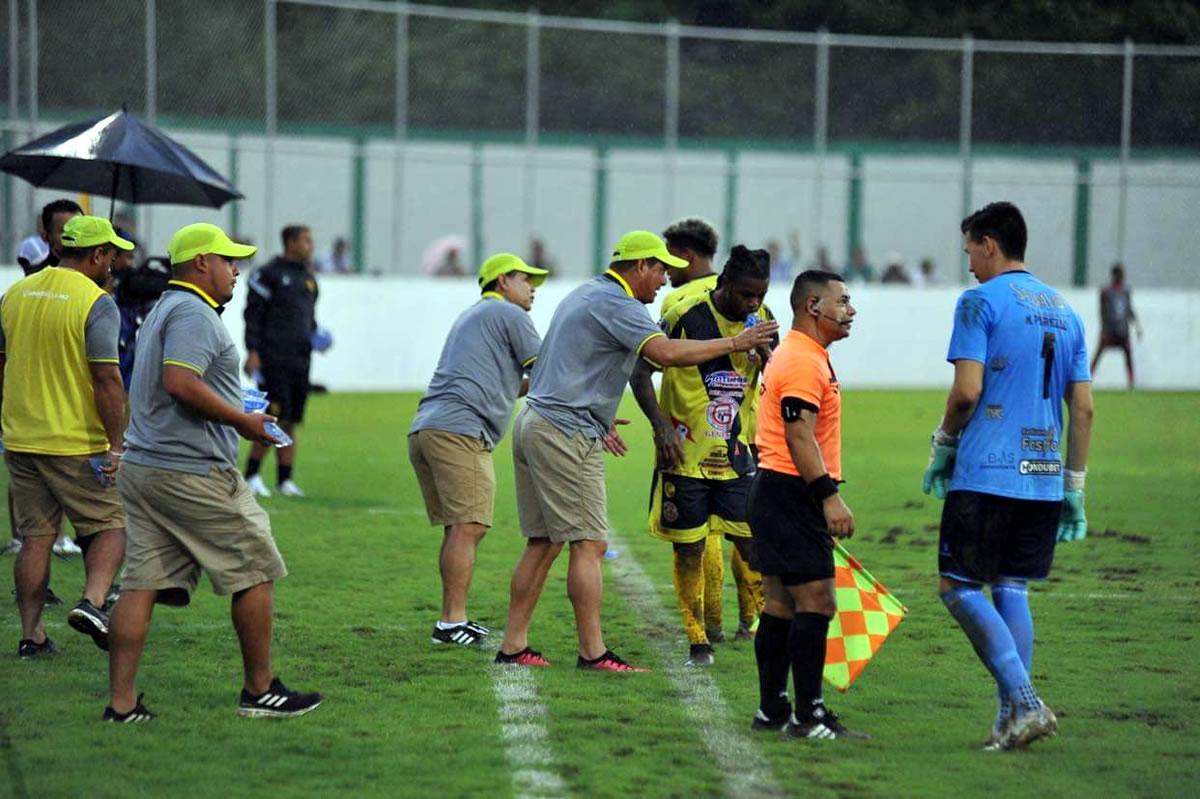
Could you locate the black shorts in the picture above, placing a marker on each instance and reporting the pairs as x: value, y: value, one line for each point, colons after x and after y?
x: 791, y: 540
x: 986, y: 538
x: 287, y: 391
x: 685, y: 510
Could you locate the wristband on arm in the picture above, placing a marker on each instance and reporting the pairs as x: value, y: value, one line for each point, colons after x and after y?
x: 1073, y: 480
x: 823, y: 487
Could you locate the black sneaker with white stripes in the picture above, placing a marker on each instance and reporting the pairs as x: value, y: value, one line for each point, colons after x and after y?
x: 773, y: 723
x: 821, y: 723
x: 90, y: 620
x: 28, y: 650
x: 278, y: 702
x: 139, y: 714
x: 466, y: 634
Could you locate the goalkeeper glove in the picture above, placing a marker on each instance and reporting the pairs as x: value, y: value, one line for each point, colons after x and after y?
x: 942, y: 452
x: 1072, y: 526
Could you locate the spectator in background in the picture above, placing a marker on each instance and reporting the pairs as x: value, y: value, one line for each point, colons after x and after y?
x: 126, y: 220
x: 54, y: 215
x: 32, y: 251
x: 539, y: 258
x: 338, y: 259
x: 1116, y: 316
x: 280, y: 321
x: 781, y: 267
x: 895, y: 273
x: 927, y: 276
x: 859, y: 269
x: 443, y: 257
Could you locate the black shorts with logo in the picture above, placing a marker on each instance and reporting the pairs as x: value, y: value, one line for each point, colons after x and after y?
x: 791, y: 538
x: 986, y: 537
x: 287, y: 391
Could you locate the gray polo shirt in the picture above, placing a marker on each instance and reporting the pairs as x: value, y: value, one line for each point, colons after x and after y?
x: 478, y: 376
x: 184, y: 329
x: 593, y: 343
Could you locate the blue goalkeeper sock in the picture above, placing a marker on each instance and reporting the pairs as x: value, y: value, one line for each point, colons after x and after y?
x: 993, y: 642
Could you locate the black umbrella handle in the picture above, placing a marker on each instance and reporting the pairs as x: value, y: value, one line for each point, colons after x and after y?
x: 112, y: 208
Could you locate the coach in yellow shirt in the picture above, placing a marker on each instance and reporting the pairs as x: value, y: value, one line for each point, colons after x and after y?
x: 62, y: 407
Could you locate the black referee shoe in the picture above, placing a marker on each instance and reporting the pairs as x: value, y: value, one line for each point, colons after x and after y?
x: 90, y: 620
x: 28, y: 650
x: 762, y: 722
x: 277, y: 702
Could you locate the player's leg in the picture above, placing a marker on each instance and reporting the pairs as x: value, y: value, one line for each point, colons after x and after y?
x: 102, y: 559
x: 296, y: 400
x: 771, y: 656
x: 1128, y: 350
x: 31, y: 575
x: 456, y: 563
x: 713, y: 589
x: 251, y: 610
x: 1100, y: 346
x: 1011, y: 598
x: 38, y: 517
x: 585, y: 588
x: 730, y: 518
x: 679, y: 513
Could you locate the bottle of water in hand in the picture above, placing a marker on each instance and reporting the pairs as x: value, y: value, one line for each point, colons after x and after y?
x: 751, y: 321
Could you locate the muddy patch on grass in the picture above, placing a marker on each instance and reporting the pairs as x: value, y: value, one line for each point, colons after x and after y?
x: 892, y: 534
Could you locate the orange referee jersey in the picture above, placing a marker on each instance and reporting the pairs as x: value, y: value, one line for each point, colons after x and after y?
x: 799, y: 368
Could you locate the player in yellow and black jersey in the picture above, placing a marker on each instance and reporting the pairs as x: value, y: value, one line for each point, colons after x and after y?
x: 703, y: 425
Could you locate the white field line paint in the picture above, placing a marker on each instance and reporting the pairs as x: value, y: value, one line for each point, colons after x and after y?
x: 726, y: 736
x: 523, y: 728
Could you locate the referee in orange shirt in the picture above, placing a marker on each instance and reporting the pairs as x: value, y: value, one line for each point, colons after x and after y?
x: 795, y: 510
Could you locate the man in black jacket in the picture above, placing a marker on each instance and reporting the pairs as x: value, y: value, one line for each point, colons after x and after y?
x: 280, y: 320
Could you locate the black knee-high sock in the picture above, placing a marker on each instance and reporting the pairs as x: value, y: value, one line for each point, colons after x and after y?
x: 806, y: 647
x: 252, y: 467
x: 771, y: 652
x: 283, y: 474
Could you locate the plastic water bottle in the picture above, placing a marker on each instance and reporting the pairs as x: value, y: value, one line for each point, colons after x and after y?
x: 612, y: 554
x: 751, y: 321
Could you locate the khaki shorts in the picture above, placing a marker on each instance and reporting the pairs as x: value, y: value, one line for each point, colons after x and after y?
x: 560, y: 482
x: 45, y: 487
x: 456, y: 476
x: 182, y: 523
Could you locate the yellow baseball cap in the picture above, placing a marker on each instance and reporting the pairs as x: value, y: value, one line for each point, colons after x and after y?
x: 504, y: 262
x: 640, y: 244
x: 201, y: 238
x: 91, y: 231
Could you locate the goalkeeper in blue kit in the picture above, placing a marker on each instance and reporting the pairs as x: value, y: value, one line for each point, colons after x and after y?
x: 998, y: 459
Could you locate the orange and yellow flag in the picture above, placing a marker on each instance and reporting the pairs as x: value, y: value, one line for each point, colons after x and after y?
x: 866, y: 615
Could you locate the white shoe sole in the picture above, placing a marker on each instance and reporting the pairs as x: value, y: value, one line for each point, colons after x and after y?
x: 267, y: 713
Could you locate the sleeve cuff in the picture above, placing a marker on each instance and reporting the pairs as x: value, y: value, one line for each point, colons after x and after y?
x: 184, y: 364
x: 100, y: 360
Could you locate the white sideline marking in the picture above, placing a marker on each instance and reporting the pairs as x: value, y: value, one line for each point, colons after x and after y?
x: 526, y: 742
x: 726, y: 737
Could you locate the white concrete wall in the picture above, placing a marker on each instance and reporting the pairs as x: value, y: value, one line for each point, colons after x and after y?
x: 911, y: 204
x: 389, y: 331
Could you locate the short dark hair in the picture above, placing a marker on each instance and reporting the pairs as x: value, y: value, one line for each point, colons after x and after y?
x: 744, y: 262
x: 1002, y: 222
x: 63, y: 206
x: 291, y: 233
x: 807, y: 282
x: 692, y: 234
x: 490, y: 286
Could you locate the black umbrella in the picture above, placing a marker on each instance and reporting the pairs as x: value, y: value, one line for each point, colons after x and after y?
x: 118, y: 156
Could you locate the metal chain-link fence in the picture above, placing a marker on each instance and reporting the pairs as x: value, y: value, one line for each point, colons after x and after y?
x: 398, y: 127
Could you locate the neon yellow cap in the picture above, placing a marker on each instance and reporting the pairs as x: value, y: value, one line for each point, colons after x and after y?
x: 90, y: 231
x: 639, y: 244
x: 201, y: 238
x: 504, y: 262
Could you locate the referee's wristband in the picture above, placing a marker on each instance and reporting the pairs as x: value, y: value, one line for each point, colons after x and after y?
x: 823, y: 487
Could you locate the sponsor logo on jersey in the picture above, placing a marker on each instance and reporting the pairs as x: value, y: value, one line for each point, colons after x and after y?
x: 1040, y: 468
x: 725, y: 380
x: 722, y: 413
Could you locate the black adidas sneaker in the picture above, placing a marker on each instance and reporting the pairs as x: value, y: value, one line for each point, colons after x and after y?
x: 466, y: 634
x: 277, y: 702
x: 139, y: 714
x: 822, y: 723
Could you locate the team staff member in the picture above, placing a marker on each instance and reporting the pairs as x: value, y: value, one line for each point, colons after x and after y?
x: 63, y: 416
x: 796, y: 510
x: 594, y: 340
x: 1116, y: 317
x: 701, y: 485
x: 280, y: 320
x: 462, y: 418
x: 1018, y: 352
x: 189, y: 508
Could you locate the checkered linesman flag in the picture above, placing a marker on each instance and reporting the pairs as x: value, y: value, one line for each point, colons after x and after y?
x: 866, y: 615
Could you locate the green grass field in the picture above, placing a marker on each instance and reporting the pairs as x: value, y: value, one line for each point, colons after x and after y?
x: 1116, y: 654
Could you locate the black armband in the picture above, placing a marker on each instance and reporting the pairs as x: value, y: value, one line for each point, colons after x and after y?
x: 790, y: 408
x: 823, y: 487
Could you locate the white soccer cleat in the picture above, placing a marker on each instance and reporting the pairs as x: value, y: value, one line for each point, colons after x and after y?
x: 1028, y: 725
x: 257, y: 485
x: 64, y: 547
x: 288, y: 488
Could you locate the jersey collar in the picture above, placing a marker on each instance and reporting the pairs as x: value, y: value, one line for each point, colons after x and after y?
x: 608, y: 273
x: 192, y: 288
x: 491, y: 295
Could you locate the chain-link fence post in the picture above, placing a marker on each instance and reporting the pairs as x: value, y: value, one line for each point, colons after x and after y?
x: 400, y: 135
x: 966, y: 109
x: 11, y: 238
x: 820, y: 132
x: 671, y: 118
x: 33, y: 89
x: 271, y: 121
x: 533, y: 109
x: 146, y: 214
x: 1126, y: 134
